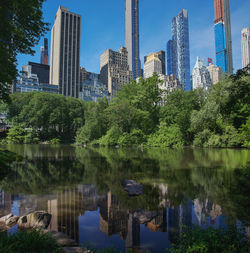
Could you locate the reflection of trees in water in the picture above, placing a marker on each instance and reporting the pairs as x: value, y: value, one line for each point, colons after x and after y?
x: 194, y: 173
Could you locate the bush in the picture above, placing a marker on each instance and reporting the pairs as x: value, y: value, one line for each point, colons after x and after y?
x: 111, y: 138
x: 197, y: 240
x: 166, y: 137
x: 55, y: 141
x: 214, y: 141
x: 230, y: 137
x: 28, y: 242
x: 201, y: 139
x: 245, y: 133
x: 136, y: 137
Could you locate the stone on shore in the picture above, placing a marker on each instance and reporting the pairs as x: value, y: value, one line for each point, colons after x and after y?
x: 37, y: 219
x: 9, y: 220
x: 132, y: 187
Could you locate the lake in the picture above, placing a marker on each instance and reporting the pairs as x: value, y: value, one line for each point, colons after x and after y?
x: 82, y: 189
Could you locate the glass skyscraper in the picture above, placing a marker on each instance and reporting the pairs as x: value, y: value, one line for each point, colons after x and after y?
x: 223, y: 40
x: 132, y: 36
x: 178, y: 55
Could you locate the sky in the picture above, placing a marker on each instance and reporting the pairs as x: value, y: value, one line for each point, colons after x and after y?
x: 103, y: 27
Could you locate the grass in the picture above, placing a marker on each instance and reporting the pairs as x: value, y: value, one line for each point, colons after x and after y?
x: 28, y: 242
x: 197, y: 240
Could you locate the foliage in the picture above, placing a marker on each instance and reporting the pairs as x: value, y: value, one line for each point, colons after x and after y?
x: 48, y: 115
x: 197, y: 240
x: 201, y: 139
x: 136, y: 137
x: 166, y: 137
x: 245, y: 133
x: 55, y: 141
x: 28, y: 242
x: 95, y: 122
x: 21, y: 28
x: 19, y: 135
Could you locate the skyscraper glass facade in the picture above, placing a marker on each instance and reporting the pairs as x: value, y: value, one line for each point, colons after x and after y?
x: 222, y: 31
x: 178, y: 55
x: 132, y: 36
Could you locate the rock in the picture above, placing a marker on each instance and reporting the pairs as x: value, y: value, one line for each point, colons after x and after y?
x: 133, y: 188
x: 75, y: 249
x: 144, y: 216
x: 9, y: 220
x: 37, y: 219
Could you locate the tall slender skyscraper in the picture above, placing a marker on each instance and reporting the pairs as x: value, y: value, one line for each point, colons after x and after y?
x: 223, y: 40
x: 178, y: 55
x: 132, y: 36
x: 245, y: 46
x: 44, y: 52
x: 65, y: 52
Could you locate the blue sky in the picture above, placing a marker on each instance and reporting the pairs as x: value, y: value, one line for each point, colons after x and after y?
x: 103, y: 27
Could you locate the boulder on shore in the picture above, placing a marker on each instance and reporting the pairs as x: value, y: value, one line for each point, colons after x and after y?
x: 37, y: 219
x: 9, y: 220
x: 132, y: 187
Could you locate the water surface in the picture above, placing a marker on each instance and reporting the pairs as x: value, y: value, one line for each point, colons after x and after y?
x: 82, y: 190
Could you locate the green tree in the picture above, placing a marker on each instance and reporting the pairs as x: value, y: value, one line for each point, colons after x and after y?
x: 21, y: 28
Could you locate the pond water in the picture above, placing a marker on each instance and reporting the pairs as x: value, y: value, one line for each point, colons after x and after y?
x: 82, y: 189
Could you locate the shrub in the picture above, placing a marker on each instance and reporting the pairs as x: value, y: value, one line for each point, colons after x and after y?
x: 197, y: 240
x: 136, y: 137
x: 166, y: 137
x: 230, y: 137
x: 214, y: 141
x: 201, y: 139
x: 28, y: 242
x: 245, y: 133
x: 55, y: 141
x: 111, y: 138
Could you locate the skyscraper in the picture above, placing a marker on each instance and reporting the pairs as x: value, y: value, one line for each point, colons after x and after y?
x: 65, y: 52
x: 132, y: 36
x: 223, y: 40
x: 152, y: 65
x: 114, y: 69
x: 245, y: 46
x: 161, y: 55
x: 201, y: 76
x: 178, y: 55
x: 44, y: 52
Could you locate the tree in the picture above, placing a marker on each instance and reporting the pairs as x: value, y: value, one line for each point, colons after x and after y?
x: 21, y: 28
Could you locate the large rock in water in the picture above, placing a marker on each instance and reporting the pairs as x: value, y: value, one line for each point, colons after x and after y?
x: 9, y: 220
x: 133, y: 188
x: 37, y: 219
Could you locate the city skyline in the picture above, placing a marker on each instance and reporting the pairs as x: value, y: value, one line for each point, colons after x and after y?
x: 100, y: 32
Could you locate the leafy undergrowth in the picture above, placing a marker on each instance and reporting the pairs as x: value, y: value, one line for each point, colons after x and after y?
x: 28, y: 242
x: 197, y: 240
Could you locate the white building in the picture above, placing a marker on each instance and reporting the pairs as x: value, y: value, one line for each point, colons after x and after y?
x: 245, y: 46
x: 65, y: 52
x: 201, y: 76
x: 152, y: 65
x: 215, y: 73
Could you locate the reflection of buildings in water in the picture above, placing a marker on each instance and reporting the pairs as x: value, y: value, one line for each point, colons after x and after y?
x: 206, y: 209
x: 5, y: 203
x: 177, y: 217
x: 158, y: 223
x: 248, y: 232
x: 68, y: 205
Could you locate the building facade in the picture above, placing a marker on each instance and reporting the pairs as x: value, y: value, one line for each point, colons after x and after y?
x: 41, y: 70
x: 245, y: 46
x: 201, y: 76
x: 92, y: 88
x: 167, y: 85
x: 178, y: 54
x: 132, y: 36
x: 162, y: 57
x: 215, y: 73
x: 45, y: 53
x: 29, y: 82
x: 115, y: 69
x: 152, y: 65
x: 65, y: 52
x: 223, y: 39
